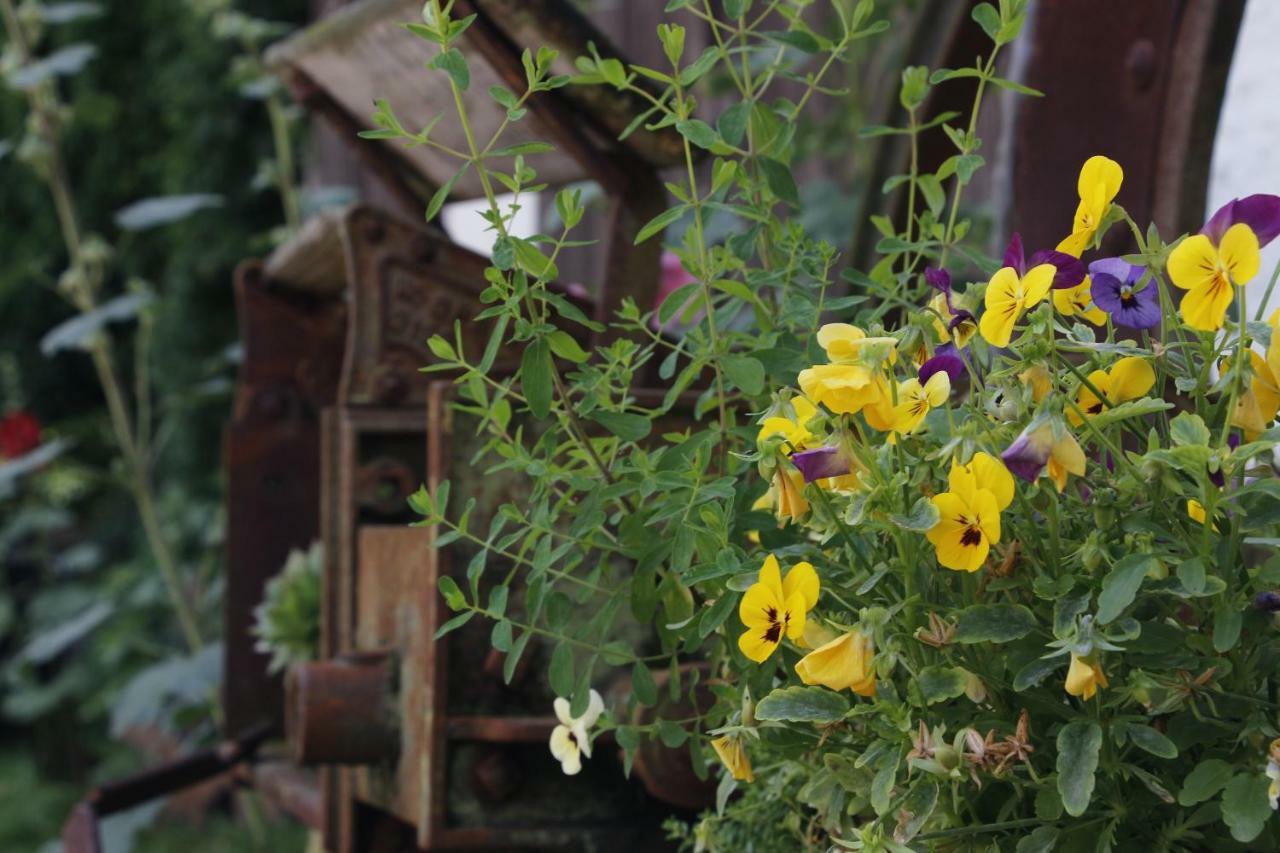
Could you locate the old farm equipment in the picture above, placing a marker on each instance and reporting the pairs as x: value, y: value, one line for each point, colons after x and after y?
x: 394, y: 742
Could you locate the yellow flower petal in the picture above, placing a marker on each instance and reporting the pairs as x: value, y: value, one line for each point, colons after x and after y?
x: 733, y: 754
x: 840, y: 340
x: 801, y: 578
x: 1039, y: 379
x: 1099, y: 172
x: 1084, y: 678
x: 1129, y: 378
x: 759, y: 607
x: 756, y: 645
x: 1036, y: 284
x: 1003, y: 307
x: 1196, y: 511
x: 937, y: 388
x: 794, y: 615
x: 771, y: 577
x: 1205, y: 308
x: 845, y: 663
x: 987, y: 472
x: 1238, y: 251
x: 1076, y: 242
x: 1193, y: 263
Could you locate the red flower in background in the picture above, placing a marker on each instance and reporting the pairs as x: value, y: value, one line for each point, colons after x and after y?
x: 19, y: 434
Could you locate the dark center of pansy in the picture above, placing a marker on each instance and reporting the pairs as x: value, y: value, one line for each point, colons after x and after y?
x: 1127, y: 299
x: 972, y: 535
x: 773, y: 633
x: 1095, y: 408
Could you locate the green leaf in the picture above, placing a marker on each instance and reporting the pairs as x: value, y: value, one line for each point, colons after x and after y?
x: 441, y: 195
x: 882, y: 785
x: 698, y: 132
x: 1121, y: 584
x: 453, y: 63
x: 1246, y: 806
x: 715, y: 615
x: 563, y: 344
x: 626, y: 426
x: 732, y: 124
x: 1191, y: 575
x: 799, y: 39
x: 561, y: 670
x: 453, y: 624
x: 989, y: 19
x: 522, y: 148
x: 1150, y: 740
x: 531, y: 259
x: 501, y: 637
x: 660, y: 222
x: 535, y: 377
x: 1035, y: 672
x: 1206, y: 780
x: 923, y: 516
x: 745, y: 372
x: 700, y: 66
x: 452, y: 594
x: 513, y: 657
x: 1043, y: 840
x: 1188, y: 429
x: 1078, y: 745
x: 994, y: 623
x: 642, y: 685
x: 62, y: 62
x: 940, y: 683
x: 1227, y: 620
x: 802, y: 705
x: 781, y: 183
x: 916, y: 809
x: 1131, y: 409
x: 163, y: 210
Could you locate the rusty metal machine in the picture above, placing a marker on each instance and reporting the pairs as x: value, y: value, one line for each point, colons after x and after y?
x: 396, y: 742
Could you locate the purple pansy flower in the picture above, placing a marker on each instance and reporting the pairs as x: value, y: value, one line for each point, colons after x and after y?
x: 1115, y: 291
x: 940, y: 280
x: 1260, y: 212
x: 821, y: 463
x: 1267, y: 600
x: 945, y: 358
x: 1070, y: 271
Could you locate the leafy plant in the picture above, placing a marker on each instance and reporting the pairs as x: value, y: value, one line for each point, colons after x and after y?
x: 910, y: 648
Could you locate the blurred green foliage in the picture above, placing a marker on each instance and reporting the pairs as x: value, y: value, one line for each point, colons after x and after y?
x: 83, y: 614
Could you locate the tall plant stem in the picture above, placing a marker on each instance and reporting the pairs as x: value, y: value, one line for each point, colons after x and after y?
x: 82, y: 295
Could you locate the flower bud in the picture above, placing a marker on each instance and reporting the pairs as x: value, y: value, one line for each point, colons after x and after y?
x: 946, y: 756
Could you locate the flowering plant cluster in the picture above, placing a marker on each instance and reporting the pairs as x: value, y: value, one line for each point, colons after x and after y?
x: 970, y: 553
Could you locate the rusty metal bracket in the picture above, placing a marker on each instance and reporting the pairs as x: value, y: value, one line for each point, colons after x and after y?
x: 80, y: 833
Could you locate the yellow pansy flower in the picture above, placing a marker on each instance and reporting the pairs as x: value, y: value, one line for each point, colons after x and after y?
x: 1008, y: 296
x: 1273, y: 351
x: 792, y: 430
x: 845, y: 663
x: 969, y: 514
x: 915, y: 400
x: 854, y: 378
x: 733, y: 754
x: 1258, y: 405
x: 1098, y: 185
x: 1040, y: 380
x: 1128, y: 379
x: 788, y: 494
x: 1084, y: 677
x: 1208, y: 272
x: 775, y: 606
x: 1078, y: 302
x: 986, y: 472
x: 1196, y: 512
